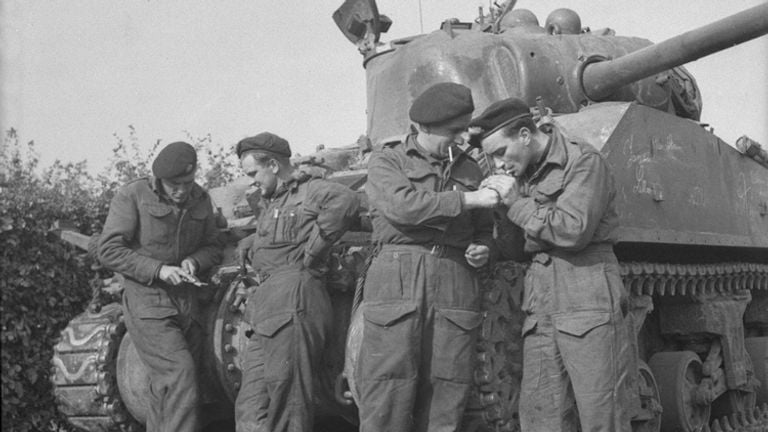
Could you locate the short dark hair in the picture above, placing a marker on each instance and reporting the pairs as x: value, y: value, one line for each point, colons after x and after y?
x: 263, y: 158
x: 513, y: 128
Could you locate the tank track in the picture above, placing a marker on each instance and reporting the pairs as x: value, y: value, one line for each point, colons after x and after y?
x: 644, y: 278
x: 498, y: 369
x: 751, y: 421
x: 499, y: 365
x: 83, y: 371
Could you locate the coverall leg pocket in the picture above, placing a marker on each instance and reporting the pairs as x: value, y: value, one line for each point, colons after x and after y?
x: 454, y: 343
x: 390, y: 342
x: 276, y: 334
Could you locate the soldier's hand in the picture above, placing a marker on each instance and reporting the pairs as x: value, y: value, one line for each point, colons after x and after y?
x: 483, y: 198
x: 477, y: 255
x: 241, y: 296
x: 173, y: 275
x: 505, y: 185
x: 189, y: 265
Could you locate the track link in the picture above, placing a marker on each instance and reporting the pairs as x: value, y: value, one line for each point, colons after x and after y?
x: 752, y: 421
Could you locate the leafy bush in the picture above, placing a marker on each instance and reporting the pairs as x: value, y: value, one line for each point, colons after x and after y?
x: 44, y: 282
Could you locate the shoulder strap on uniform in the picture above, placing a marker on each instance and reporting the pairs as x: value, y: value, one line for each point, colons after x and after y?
x: 392, y: 141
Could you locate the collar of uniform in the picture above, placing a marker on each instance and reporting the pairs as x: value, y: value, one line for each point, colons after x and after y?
x: 157, y: 188
x: 293, y: 184
x: 412, y: 147
x: 555, y: 154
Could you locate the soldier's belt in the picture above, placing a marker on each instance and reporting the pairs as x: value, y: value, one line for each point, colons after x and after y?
x: 439, y: 251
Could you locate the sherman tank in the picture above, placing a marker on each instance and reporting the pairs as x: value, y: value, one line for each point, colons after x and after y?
x: 693, y: 242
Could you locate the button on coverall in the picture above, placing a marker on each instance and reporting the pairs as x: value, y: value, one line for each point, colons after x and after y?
x: 291, y: 311
x: 421, y: 299
x: 144, y: 231
x: 577, y: 355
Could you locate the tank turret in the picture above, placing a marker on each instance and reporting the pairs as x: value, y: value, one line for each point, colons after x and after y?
x: 568, y: 71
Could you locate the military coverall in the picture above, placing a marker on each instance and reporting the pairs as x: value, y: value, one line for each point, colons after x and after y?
x: 577, y: 352
x: 421, y: 300
x: 290, y: 311
x: 144, y: 231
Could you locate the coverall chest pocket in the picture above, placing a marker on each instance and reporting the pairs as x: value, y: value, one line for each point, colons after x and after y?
x: 160, y: 225
x: 422, y: 179
x: 389, y: 343
x: 287, y: 225
x: 193, y: 229
x: 454, y: 344
x: 547, y: 191
x: 281, y: 226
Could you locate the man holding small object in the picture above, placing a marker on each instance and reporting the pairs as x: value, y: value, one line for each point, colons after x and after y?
x: 160, y: 233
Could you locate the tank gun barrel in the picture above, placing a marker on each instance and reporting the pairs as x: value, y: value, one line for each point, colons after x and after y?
x: 602, y: 78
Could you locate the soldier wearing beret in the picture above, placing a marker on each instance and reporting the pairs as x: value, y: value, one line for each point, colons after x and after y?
x: 290, y: 310
x: 420, y: 300
x: 160, y: 233
x: 577, y: 358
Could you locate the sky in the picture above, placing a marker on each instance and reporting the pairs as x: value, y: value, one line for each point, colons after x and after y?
x: 75, y: 73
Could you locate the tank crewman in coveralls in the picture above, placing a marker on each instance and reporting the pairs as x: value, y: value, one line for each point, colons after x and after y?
x: 577, y: 353
x: 160, y: 233
x: 290, y: 311
x: 421, y: 300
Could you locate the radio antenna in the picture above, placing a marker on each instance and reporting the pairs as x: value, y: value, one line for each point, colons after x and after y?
x: 421, y: 19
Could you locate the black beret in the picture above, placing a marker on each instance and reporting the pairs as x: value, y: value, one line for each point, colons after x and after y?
x: 442, y: 102
x: 175, y: 160
x: 264, y: 142
x: 500, y: 114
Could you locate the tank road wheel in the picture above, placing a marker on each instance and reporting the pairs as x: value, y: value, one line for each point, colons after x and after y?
x: 757, y: 348
x: 229, y: 341
x: 132, y: 379
x: 678, y: 375
x: 649, y: 417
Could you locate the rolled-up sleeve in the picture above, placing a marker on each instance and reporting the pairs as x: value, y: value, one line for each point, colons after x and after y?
x: 571, y: 222
x: 120, y: 231
x: 393, y: 194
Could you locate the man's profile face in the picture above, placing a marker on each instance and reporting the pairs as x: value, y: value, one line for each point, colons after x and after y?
x: 513, y: 154
x: 264, y: 176
x: 178, y: 189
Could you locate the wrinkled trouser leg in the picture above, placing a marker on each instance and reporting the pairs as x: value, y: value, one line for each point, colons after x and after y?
x: 252, y: 400
x: 598, y: 366
x: 415, y: 365
x: 569, y: 379
x: 169, y: 352
x: 293, y: 318
x: 546, y: 397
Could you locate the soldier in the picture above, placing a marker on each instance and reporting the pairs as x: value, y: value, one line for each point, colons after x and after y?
x: 290, y: 311
x: 159, y: 234
x: 421, y: 302
x: 577, y: 353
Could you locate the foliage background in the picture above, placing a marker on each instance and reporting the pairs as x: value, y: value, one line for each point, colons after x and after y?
x: 44, y: 281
